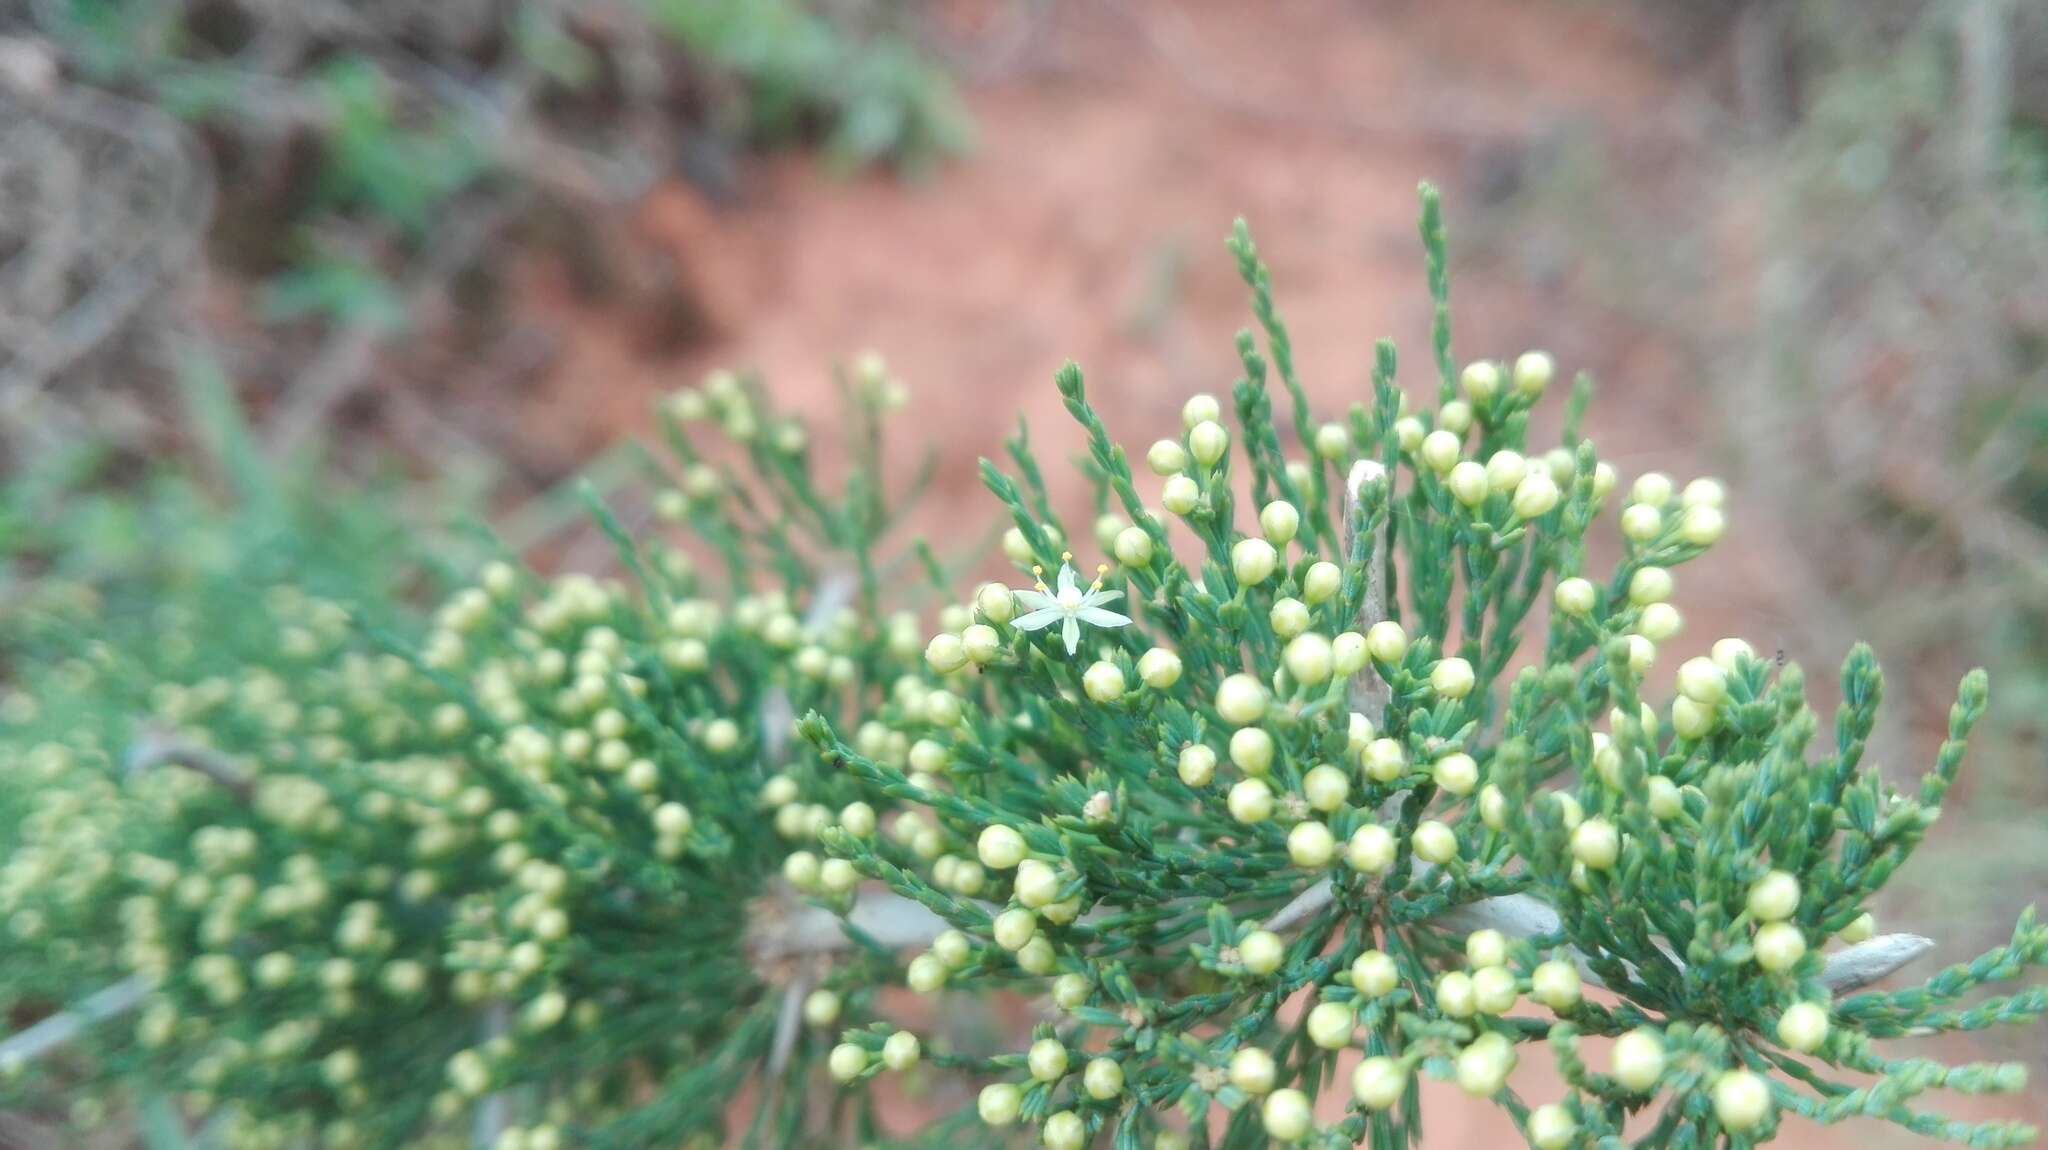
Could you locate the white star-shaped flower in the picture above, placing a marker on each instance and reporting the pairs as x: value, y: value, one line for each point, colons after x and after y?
x: 1069, y: 606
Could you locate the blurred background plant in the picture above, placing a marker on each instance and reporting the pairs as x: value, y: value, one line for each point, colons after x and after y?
x: 113, y: 564
x: 378, y: 163
x: 1843, y: 240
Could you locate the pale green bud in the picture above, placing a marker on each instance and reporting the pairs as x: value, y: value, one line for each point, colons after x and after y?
x: 1166, y: 457
x: 1279, y: 521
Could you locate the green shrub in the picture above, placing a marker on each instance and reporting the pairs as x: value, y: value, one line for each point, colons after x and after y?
x: 380, y: 877
x: 1388, y: 755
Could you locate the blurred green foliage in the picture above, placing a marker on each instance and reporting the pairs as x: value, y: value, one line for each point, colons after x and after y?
x: 90, y: 520
x: 108, y: 562
x: 879, y: 98
x: 410, y: 107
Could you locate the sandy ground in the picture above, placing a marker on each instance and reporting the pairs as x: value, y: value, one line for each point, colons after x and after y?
x: 1114, y: 150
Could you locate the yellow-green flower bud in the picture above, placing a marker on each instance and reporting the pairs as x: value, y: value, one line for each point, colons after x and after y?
x: 1481, y: 380
x: 1047, y: 1060
x: 1378, y: 1083
x: 1555, y: 984
x: 1467, y: 482
x: 1434, y: 842
x: 1371, y: 849
x: 1251, y: 801
x: 1440, y: 451
x: 1262, y: 952
x: 1252, y: 560
x: 1159, y: 668
x: 1803, y: 1027
x: 1779, y: 946
x: 1309, y: 658
x: 1452, y: 678
x: 1104, y: 682
x: 1166, y: 457
x: 1325, y: 787
x: 1286, y: 1116
x: 1456, y: 773
x: 1251, y: 748
x: 1252, y: 1070
x: 1639, y: 1059
x: 1742, y: 1100
x: 1310, y: 845
x: 1533, y: 372
x: 1279, y: 521
x: 1241, y: 700
x: 1133, y: 547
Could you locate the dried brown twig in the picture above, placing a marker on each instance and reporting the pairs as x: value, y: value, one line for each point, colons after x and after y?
x: 117, y: 201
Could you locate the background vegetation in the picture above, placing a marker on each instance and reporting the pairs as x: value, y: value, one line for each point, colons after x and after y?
x: 1833, y: 225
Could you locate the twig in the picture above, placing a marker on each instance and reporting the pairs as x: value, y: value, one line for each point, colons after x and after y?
x: 155, y: 749
x: 65, y: 1025
x: 1855, y: 967
x: 494, y: 1110
x: 896, y: 922
x: 789, y: 1020
x: 1303, y: 907
x: 1368, y: 694
x: 899, y: 923
x: 1526, y: 916
x: 810, y: 932
x: 18, y: 1132
x: 174, y: 188
x: 1984, y: 34
x: 777, y: 716
x: 344, y: 361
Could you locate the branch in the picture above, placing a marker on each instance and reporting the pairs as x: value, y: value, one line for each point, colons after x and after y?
x: 778, y: 718
x: 1856, y: 967
x: 65, y: 1025
x: 344, y: 361
x: 1522, y: 915
x: 1304, y: 907
x: 493, y: 1110
x: 155, y: 749
x: 896, y: 922
x: 1368, y: 694
x: 789, y: 1021
x: 1526, y: 916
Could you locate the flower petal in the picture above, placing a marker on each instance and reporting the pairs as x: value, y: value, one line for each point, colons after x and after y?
x: 1033, y: 600
x: 1100, y: 618
x: 1067, y: 583
x: 1072, y: 634
x: 1098, y: 598
x: 1043, y: 617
